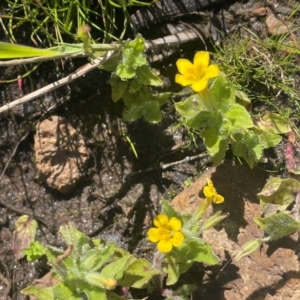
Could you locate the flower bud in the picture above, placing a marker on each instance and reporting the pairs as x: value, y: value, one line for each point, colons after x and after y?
x: 96, y: 279
x: 248, y: 248
x: 213, y: 220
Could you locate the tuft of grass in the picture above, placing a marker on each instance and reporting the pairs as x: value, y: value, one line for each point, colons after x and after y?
x: 53, y: 21
x: 266, y: 69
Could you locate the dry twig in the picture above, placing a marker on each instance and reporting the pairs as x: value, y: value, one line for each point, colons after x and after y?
x: 29, y: 213
x: 12, y: 155
x: 7, y: 282
x: 167, y: 41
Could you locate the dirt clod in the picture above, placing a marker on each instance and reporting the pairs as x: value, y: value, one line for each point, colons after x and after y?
x: 60, y: 154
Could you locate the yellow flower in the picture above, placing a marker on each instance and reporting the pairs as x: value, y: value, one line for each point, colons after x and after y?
x: 211, y: 193
x: 196, y: 74
x: 167, y: 234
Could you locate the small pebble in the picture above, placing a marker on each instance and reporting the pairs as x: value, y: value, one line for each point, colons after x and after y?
x: 259, y: 12
x: 275, y: 26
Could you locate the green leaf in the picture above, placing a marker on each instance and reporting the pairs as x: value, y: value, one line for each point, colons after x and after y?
x: 35, y: 251
x: 10, y: 51
x: 94, y: 259
x: 132, y: 57
x: 279, y: 191
x: 295, y: 171
x: 190, y: 107
x: 185, y: 291
x: 247, y: 249
x: 239, y: 118
x: 23, y: 235
x: 113, y: 296
x: 92, y: 292
x: 133, y: 113
x: 242, y: 98
x: 138, y: 44
x: 273, y: 123
x: 222, y: 94
x: 196, y: 249
x: 169, y: 210
x: 143, y: 104
x: 125, y: 71
x: 138, y: 274
x: 99, y: 280
x: 179, y: 261
x: 52, y: 253
x: 213, y: 220
x: 205, y: 120
x: 80, y: 242
x: 39, y: 292
x: 57, y: 292
x: 112, y: 64
x: 214, y: 131
x: 118, y: 87
x: 95, y: 293
x: 217, y: 156
x: 278, y: 225
x: 269, y: 140
x: 174, y: 270
x: 161, y: 98
x: 61, y: 292
x: 118, y: 267
x: 248, y: 146
x: 146, y: 76
x: 134, y: 86
x: 151, y: 111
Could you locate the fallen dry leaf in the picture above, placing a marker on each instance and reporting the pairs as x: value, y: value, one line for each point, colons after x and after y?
x: 23, y: 235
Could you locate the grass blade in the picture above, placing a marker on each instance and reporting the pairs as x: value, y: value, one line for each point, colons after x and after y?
x: 9, y: 51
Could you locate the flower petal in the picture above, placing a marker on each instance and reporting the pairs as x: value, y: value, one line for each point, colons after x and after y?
x: 177, y: 239
x: 212, y: 71
x: 161, y: 220
x: 184, y: 80
x: 209, y: 191
x: 164, y: 246
x: 200, y: 85
x: 154, y: 235
x: 175, y: 224
x: 201, y: 60
x: 184, y: 66
x: 218, y: 199
x: 209, y: 182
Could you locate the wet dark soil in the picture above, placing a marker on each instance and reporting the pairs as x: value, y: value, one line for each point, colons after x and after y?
x: 119, y: 193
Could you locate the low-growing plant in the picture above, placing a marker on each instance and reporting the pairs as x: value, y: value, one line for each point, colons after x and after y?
x: 276, y: 198
x: 94, y: 268
x: 216, y: 110
x: 278, y: 194
x: 218, y: 114
x: 131, y: 80
x: 267, y: 65
x: 88, y: 267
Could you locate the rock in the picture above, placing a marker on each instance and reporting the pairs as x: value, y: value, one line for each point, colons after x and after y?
x: 188, y: 200
x: 60, y: 154
x: 269, y: 273
x: 259, y: 12
x: 275, y: 26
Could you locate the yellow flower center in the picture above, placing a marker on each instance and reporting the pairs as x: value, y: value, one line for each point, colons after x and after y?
x: 165, y: 234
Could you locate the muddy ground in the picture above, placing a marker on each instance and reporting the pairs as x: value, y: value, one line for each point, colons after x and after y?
x: 119, y: 194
